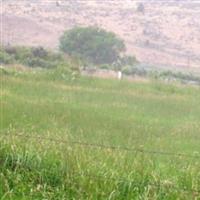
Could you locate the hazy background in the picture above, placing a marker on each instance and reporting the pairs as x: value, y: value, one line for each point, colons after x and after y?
x: 162, y: 33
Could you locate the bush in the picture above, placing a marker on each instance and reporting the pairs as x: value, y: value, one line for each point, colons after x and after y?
x: 125, y: 63
x: 140, y: 8
x: 128, y: 61
x: 32, y: 57
x: 19, y: 53
x: 5, y: 58
x: 3, y: 71
x: 38, y: 62
x: 129, y: 70
x: 10, y: 50
x: 39, y: 52
x: 105, y: 66
x: 60, y: 73
x: 178, y: 76
x: 92, y: 44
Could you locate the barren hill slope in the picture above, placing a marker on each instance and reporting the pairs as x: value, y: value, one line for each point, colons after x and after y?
x: 166, y: 33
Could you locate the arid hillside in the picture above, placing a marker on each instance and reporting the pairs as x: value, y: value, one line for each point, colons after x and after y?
x: 161, y: 33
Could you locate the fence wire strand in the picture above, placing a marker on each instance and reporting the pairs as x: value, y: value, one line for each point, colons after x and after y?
x: 103, y: 146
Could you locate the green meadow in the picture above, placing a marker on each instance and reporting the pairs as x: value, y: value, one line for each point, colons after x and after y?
x: 90, y: 138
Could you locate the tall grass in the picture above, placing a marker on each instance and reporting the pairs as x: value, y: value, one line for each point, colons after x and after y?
x: 147, y: 116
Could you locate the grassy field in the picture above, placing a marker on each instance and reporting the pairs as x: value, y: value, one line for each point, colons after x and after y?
x: 46, y: 125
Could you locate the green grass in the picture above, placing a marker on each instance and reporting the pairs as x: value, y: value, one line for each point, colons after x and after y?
x: 150, y: 116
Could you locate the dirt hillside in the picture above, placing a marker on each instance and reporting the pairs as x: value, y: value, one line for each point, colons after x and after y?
x: 161, y: 33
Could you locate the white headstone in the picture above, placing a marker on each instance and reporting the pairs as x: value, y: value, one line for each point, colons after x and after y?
x: 119, y: 75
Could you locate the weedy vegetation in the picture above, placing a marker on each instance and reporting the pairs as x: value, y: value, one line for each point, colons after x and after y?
x: 48, y: 118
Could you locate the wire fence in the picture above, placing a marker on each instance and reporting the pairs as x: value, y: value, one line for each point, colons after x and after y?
x: 103, y: 146
x: 195, y: 192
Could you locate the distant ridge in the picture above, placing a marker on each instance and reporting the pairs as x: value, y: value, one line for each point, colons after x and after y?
x: 166, y: 34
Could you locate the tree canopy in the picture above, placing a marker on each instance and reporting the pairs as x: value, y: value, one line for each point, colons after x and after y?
x: 92, y: 44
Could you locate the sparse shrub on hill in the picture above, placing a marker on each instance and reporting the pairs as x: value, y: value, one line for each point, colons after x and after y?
x: 5, y: 58
x: 169, y: 76
x: 92, y: 44
x: 63, y: 73
x: 184, y: 77
x: 60, y: 66
x: 133, y: 70
x: 128, y: 61
x: 38, y: 62
x: 20, y: 53
x: 32, y: 57
x: 39, y: 52
x: 141, y: 8
x: 105, y: 66
x: 3, y: 71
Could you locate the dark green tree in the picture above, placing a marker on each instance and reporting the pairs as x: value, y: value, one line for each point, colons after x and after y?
x: 92, y: 44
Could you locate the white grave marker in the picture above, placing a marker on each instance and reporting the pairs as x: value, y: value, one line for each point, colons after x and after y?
x: 119, y: 75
